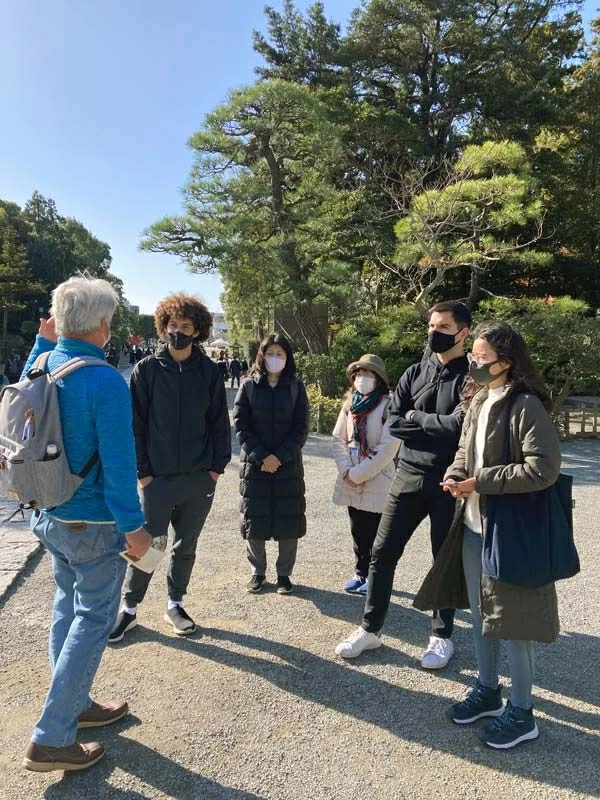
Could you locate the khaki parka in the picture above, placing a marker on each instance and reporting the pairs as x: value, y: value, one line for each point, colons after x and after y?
x: 508, y: 611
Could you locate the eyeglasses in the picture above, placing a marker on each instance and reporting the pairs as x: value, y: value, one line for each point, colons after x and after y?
x: 479, y: 362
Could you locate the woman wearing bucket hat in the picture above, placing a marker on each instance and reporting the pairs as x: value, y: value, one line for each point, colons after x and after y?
x: 364, y: 452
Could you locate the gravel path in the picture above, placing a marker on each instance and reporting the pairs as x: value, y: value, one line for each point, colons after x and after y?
x: 257, y: 707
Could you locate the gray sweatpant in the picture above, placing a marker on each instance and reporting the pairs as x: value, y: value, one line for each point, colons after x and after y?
x: 286, y: 559
x: 184, y: 502
x: 487, y: 650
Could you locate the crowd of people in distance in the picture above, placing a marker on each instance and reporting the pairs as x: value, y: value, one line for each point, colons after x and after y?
x: 433, y: 447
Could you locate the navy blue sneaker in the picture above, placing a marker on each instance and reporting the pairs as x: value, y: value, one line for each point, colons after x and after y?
x: 354, y: 584
x: 480, y: 702
x: 516, y: 725
x: 362, y: 590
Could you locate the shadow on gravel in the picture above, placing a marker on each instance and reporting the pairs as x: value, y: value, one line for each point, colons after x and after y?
x: 148, y: 765
x: 581, y: 459
x: 416, y: 716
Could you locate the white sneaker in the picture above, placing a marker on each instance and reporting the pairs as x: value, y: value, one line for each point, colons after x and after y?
x: 357, y: 642
x: 438, y: 654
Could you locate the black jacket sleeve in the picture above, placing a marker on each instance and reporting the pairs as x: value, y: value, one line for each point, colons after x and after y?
x: 244, y: 430
x: 402, y: 402
x: 294, y: 441
x: 217, y: 422
x: 444, y: 426
x: 140, y: 403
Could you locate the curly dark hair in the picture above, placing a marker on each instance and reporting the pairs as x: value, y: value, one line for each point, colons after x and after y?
x: 183, y: 305
x: 509, y: 346
x: 260, y: 368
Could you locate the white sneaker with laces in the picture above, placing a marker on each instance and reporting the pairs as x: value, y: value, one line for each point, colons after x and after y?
x: 357, y: 642
x: 438, y: 654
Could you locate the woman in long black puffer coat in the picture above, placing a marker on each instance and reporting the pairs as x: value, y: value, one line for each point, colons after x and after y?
x: 271, y: 417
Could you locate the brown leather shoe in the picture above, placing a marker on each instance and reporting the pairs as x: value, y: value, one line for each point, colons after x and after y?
x: 39, y: 758
x: 99, y: 714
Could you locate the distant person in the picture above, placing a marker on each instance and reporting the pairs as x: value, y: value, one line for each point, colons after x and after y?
x: 510, y: 396
x: 426, y: 414
x: 3, y: 378
x: 183, y: 444
x: 243, y: 368
x: 235, y: 369
x: 13, y: 367
x: 271, y: 419
x: 364, y: 451
x: 132, y: 355
x: 85, y: 534
x: 222, y: 367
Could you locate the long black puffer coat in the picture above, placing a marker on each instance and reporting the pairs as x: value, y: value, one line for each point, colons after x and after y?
x: 268, y: 423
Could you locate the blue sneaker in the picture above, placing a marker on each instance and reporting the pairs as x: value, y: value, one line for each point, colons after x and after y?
x: 516, y: 725
x: 480, y: 702
x: 354, y: 585
x: 362, y: 590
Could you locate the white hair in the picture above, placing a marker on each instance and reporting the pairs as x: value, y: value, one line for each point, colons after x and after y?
x: 80, y: 304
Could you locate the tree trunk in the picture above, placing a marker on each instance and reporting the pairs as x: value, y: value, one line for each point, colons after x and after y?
x: 316, y: 342
x: 474, y: 288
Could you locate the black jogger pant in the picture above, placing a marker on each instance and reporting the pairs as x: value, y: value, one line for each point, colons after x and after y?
x: 183, y: 501
x: 410, y: 500
x: 363, y: 527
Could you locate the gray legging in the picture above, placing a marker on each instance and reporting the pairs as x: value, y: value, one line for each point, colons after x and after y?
x: 487, y: 650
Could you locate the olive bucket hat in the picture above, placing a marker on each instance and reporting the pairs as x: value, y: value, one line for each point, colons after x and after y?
x: 368, y: 361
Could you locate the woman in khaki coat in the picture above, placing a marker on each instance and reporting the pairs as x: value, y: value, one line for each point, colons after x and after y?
x: 509, y: 392
x: 364, y: 451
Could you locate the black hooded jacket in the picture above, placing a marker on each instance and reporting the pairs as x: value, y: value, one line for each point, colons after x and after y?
x: 180, y: 417
x: 430, y: 438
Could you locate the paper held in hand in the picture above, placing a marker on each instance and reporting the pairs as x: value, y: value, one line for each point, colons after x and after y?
x: 148, y: 562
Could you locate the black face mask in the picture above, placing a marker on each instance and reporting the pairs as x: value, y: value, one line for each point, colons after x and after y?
x: 482, y: 375
x: 179, y: 340
x: 441, y: 342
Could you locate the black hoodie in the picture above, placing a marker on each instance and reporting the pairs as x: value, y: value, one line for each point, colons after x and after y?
x: 430, y: 438
x: 180, y: 417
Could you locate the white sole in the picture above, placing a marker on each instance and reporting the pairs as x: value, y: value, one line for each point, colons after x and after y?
x: 356, y: 655
x: 130, y: 627
x: 186, y: 632
x: 525, y: 738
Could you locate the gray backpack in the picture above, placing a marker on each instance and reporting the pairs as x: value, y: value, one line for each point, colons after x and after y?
x: 33, y: 465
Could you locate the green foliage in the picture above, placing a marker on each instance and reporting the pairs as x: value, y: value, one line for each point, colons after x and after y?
x: 324, y: 410
x: 563, y: 337
x: 397, y: 335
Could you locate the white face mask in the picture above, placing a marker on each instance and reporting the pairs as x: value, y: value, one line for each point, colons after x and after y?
x: 275, y: 364
x: 364, y: 384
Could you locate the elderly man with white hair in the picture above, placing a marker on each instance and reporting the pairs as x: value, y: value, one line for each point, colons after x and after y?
x: 86, y: 533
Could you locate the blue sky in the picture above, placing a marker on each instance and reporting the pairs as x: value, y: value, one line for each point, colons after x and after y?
x: 98, y: 100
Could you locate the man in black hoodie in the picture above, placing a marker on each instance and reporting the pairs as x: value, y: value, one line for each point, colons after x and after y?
x: 183, y: 444
x: 426, y: 414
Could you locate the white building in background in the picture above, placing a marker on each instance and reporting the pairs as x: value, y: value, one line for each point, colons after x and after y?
x: 220, y: 328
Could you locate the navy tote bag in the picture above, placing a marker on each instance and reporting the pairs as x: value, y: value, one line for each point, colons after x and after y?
x: 528, y: 539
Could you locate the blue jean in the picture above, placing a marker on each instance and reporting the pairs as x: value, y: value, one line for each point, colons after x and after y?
x: 88, y: 573
x: 487, y: 650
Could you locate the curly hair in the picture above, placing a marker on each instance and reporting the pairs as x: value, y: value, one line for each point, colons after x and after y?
x: 183, y: 305
x: 509, y: 346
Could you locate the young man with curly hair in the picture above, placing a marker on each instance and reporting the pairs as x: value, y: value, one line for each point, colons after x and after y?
x: 183, y: 444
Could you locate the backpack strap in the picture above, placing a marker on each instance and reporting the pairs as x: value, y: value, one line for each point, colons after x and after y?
x: 294, y: 390
x: 75, y: 363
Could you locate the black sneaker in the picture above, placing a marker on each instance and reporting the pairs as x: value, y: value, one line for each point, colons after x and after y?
x: 284, y: 584
x: 125, y: 622
x: 480, y: 702
x: 181, y: 621
x: 516, y: 725
x: 255, y: 584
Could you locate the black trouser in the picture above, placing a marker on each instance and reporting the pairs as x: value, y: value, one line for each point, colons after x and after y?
x: 183, y: 501
x: 235, y: 378
x: 410, y: 500
x: 363, y: 527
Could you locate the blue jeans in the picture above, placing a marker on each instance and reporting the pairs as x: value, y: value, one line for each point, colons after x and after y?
x: 88, y: 572
x: 487, y: 650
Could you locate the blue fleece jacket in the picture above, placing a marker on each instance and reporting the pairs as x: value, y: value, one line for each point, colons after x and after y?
x: 95, y: 414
